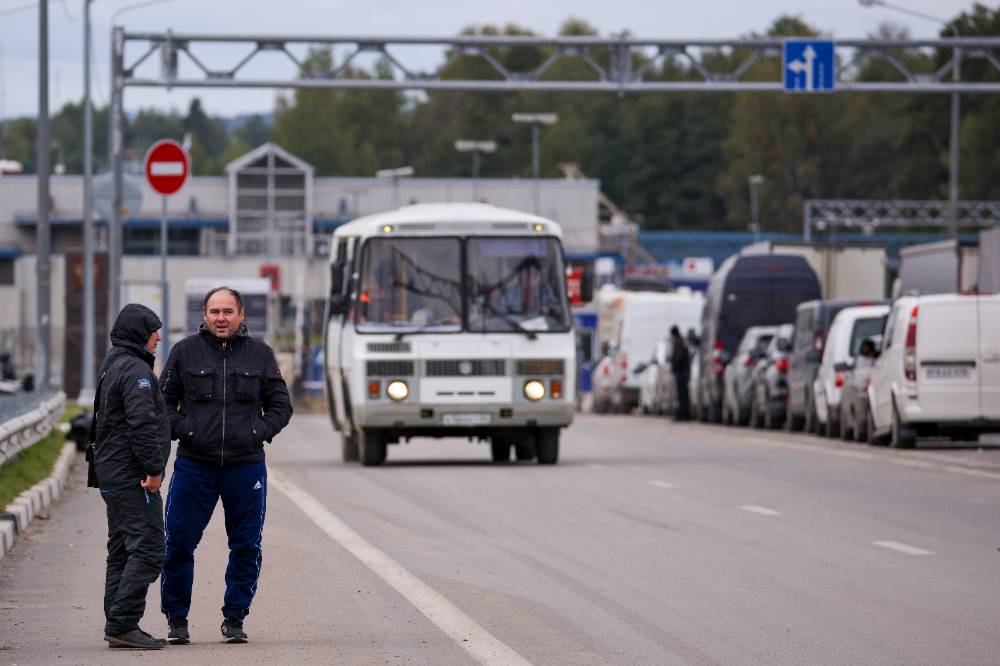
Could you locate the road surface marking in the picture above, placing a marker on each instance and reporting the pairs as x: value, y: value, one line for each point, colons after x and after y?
x: 762, y: 510
x: 661, y: 484
x: 597, y: 466
x: 483, y: 646
x: 166, y: 169
x: 903, y: 548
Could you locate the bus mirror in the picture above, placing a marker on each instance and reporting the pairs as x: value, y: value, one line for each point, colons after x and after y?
x: 339, y: 304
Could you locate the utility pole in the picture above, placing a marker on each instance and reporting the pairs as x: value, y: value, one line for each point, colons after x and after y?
x: 754, y: 181
x: 477, y: 148
x: 43, y: 278
x: 537, y: 121
x: 88, y: 371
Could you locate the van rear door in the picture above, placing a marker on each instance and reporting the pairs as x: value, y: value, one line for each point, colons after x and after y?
x: 947, y: 357
x: 989, y: 356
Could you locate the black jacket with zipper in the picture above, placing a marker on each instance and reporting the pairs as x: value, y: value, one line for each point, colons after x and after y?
x: 225, y: 397
x: 131, y: 431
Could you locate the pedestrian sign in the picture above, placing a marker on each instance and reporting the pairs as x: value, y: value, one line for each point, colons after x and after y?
x: 808, y: 65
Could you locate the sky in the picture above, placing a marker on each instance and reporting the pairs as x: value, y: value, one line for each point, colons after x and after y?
x: 665, y: 19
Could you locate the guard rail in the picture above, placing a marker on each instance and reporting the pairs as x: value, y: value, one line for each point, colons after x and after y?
x: 22, y: 431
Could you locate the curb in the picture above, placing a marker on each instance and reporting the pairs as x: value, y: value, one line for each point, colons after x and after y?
x: 19, y: 513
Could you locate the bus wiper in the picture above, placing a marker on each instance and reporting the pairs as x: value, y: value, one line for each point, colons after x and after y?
x: 531, y: 335
x: 399, y: 335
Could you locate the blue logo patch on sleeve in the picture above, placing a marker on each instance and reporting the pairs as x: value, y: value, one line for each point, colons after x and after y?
x: 145, y: 384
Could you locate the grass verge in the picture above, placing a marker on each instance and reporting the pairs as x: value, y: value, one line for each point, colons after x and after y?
x: 34, y: 463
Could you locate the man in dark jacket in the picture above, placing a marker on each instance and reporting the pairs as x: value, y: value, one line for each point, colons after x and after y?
x: 130, y: 450
x: 225, y: 398
x: 680, y: 363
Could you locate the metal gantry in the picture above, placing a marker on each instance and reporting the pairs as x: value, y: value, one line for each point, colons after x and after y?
x: 617, y: 65
x: 621, y: 64
x: 869, y: 215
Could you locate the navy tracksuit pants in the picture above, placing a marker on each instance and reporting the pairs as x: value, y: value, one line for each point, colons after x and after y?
x: 195, y: 489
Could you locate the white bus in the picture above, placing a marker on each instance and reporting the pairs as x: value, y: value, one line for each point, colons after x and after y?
x: 448, y: 320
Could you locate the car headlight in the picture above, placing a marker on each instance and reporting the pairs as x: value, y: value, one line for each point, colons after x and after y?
x: 534, y: 390
x: 397, y: 390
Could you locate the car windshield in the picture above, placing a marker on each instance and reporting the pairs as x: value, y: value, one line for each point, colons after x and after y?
x: 410, y: 284
x: 516, y: 284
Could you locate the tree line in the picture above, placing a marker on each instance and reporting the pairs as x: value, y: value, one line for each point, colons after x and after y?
x: 670, y: 160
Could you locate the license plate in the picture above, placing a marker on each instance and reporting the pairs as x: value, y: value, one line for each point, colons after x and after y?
x: 467, y: 419
x: 949, y: 372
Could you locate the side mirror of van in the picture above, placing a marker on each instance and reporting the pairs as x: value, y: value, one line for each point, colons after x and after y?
x: 339, y: 304
x: 842, y: 367
x: 640, y: 368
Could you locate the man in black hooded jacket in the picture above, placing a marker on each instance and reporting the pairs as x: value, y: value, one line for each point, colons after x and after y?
x: 131, y: 444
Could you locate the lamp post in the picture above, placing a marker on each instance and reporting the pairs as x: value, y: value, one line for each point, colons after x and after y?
x: 754, y: 182
x: 477, y: 148
x: 396, y: 174
x: 956, y: 73
x: 537, y: 121
x: 43, y: 341
x: 88, y: 371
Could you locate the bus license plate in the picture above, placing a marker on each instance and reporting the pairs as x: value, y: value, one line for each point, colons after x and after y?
x: 467, y: 419
x: 948, y: 372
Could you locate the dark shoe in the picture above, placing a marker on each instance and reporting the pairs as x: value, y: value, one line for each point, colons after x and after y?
x: 136, y: 639
x: 178, y: 631
x: 232, y: 630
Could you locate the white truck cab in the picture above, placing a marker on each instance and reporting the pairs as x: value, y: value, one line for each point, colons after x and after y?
x: 938, y: 372
x: 449, y: 320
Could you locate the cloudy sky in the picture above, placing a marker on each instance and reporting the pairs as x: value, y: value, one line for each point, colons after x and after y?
x: 642, y: 18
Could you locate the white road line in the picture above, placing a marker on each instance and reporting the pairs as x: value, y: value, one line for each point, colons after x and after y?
x: 597, y: 466
x: 483, y: 646
x: 762, y: 510
x: 661, y: 484
x: 903, y: 548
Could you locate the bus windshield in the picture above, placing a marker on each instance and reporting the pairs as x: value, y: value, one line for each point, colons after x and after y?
x: 410, y: 284
x: 515, y: 284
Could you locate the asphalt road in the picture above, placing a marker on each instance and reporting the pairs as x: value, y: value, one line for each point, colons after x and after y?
x: 650, y: 543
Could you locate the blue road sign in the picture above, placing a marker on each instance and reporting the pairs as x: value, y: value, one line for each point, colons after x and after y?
x: 808, y: 65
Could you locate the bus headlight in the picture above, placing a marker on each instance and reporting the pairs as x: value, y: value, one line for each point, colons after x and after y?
x: 534, y: 390
x: 397, y: 390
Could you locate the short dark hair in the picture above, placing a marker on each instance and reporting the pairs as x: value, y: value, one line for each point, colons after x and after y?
x: 213, y: 292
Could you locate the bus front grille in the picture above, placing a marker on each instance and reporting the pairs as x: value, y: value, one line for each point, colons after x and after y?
x: 390, y: 368
x: 473, y: 367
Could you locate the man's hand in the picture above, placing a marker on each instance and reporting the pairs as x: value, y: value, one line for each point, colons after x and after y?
x: 152, y: 483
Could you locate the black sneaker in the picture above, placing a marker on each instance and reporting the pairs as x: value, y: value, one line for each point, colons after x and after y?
x: 137, y: 639
x: 178, y: 633
x: 232, y: 630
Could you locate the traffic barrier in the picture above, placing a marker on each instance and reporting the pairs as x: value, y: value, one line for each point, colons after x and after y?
x: 22, y: 431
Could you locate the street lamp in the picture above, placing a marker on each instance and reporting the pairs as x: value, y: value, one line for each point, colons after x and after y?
x: 956, y: 73
x: 477, y: 148
x: 537, y: 121
x: 753, y: 182
x: 396, y: 174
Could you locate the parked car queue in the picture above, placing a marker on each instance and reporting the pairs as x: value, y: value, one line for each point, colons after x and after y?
x: 876, y: 371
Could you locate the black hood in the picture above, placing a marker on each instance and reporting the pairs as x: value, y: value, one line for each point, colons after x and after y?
x: 133, y: 327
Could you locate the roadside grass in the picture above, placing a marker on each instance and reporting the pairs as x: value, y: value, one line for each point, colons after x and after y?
x: 34, y: 463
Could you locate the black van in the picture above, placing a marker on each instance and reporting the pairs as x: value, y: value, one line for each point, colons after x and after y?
x: 812, y: 323
x: 747, y: 290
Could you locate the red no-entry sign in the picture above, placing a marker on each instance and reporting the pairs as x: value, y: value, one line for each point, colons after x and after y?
x: 167, y: 167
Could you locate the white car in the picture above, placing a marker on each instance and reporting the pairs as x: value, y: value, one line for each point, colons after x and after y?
x: 849, y: 329
x: 938, y: 372
x: 656, y: 382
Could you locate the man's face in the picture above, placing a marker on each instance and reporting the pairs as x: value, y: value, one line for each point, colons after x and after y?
x: 154, y: 339
x: 223, y: 315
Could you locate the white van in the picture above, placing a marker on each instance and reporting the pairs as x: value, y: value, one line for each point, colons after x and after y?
x: 450, y: 320
x: 938, y: 372
x: 849, y: 329
x: 642, y: 320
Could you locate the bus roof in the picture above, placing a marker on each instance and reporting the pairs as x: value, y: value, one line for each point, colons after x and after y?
x: 451, y: 218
